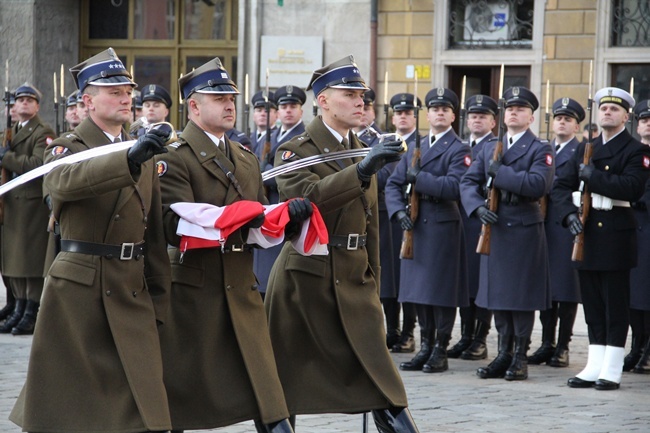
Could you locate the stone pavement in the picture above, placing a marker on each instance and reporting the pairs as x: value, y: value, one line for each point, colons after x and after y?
x: 454, y: 401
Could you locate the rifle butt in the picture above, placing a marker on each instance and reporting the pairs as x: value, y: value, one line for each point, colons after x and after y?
x: 406, y: 250
x: 577, y: 254
x: 483, y: 246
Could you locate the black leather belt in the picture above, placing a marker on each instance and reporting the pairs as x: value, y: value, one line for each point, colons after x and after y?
x: 430, y: 198
x: 126, y: 251
x: 351, y: 242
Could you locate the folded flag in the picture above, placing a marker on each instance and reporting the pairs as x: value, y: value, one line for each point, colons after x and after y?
x: 203, y: 225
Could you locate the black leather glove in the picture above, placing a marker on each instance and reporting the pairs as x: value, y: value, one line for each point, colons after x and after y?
x: 255, y: 223
x: 379, y: 155
x: 299, y: 210
x: 585, y: 172
x: 150, y: 144
x: 412, y: 174
x: 572, y: 221
x: 486, y: 215
x: 404, y: 220
x: 494, y: 167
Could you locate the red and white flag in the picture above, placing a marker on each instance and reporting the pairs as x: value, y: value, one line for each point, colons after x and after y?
x: 202, y: 225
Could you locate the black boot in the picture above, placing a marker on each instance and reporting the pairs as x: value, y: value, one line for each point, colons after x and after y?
x: 27, y: 323
x: 9, y: 308
x: 643, y: 366
x: 547, y: 349
x: 391, y: 312
x: 437, y: 362
x: 394, y: 420
x: 518, y: 369
x: 417, y: 362
x: 14, y: 318
x: 497, y: 368
x: 561, y: 356
x: 406, y: 343
x: 467, y: 335
x: 283, y: 426
x: 636, y: 350
x: 478, y: 349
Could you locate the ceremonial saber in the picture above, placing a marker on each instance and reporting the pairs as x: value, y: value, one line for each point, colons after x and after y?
x: 116, y: 147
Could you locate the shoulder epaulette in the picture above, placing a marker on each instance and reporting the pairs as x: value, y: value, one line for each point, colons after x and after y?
x: 245, y: 148
x: 176, y: 144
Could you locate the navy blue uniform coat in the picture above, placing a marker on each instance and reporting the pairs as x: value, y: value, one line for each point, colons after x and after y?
x: 565, y: 286
x: 515, y: 275
x: 437, y: 274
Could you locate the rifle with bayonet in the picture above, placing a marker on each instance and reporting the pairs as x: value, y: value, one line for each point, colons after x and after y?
x: 413, y: 205
x: 7, y: 137
x: 246, y: 108
x: 266, y: 150
x: 463, y: 111
x: 577, y: 253
x: 492, y: 194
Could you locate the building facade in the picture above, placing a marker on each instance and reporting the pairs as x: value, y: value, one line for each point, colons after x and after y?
x: 440, y: 41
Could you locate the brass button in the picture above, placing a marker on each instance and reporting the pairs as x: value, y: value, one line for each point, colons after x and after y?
x: 135, y: 294
x: 337, y: 282
x: 600, y: 224
x: 108, y: 293
x: 607, y: 167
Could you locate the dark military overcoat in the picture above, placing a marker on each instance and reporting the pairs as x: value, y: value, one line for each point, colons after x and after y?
x: 95, y: 364
x: 565, y: 286
x: 219, y: 364
x: 515, y: 275
x: 24, y: 239
x: 437, y: 274
x: 640, y: 276
x: 621, y: 170
x: 472, y: 228
x: 325, y: 317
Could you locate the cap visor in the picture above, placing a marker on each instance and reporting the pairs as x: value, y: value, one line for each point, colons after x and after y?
x: 224, y: 89
x: 117, y: 80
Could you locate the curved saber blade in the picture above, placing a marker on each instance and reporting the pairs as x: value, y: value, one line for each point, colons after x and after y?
x: 116, y: 147
x: 71, y: 159
x: 313, y: 160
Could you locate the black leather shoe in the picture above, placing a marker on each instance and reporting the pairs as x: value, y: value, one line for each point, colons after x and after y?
x: 27, y: 323
x: 7, y: 310
x: 417, y: 362
x: 543, y: 354
x: 497, y: 368
x: 576, y: 382
x: 14, y: 318
x: 457, y: 349
x: 633, y: 357
x: 437, y: 362
x: 606, y: 385
x: 392, y: 338
x: 406, y: 344
x: 560, y: 358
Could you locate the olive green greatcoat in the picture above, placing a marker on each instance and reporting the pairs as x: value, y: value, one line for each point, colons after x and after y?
x: 24, y: 239
x: 325, y: 317
x: 95, y: 364
x: 218, y: 360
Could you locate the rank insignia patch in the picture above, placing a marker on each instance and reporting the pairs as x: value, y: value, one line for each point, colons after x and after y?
x: 287, y: 155
x: 468, y: 160
x: 646, y: 162
x: 549, y: 159
x: 59, y: 150
x: 48, y: 140
x: 161, y: 168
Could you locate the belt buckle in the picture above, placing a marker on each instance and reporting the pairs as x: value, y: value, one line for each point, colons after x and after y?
x: 353, y: 241
x: 237, y: 248
x: 126, y: 253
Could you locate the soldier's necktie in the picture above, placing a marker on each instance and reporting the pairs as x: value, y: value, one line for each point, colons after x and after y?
x: 117, y: 139
x: 433, y: 139
x: 557, y: 147
x: 473, y: 143
x: 345, y: 143
x: 259, y: 135
x: 510, y: 142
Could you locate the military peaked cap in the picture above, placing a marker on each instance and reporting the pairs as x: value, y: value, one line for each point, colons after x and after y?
x: 342, y: 74
x: 103, y: 69
x: 211, y: 77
